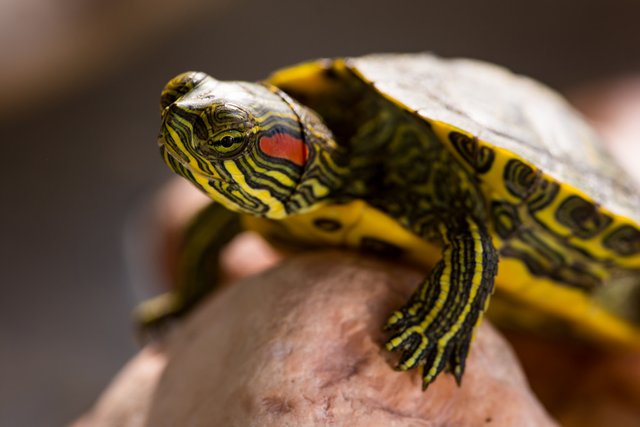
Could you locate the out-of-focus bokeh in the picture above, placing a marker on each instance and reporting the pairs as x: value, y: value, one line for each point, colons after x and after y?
x: 79, y: 86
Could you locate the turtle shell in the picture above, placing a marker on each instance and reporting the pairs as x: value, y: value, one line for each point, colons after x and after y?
x: 508, y: 111
x: 526, y: 144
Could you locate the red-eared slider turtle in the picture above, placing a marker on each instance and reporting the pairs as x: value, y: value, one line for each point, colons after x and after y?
x: 455, y: 164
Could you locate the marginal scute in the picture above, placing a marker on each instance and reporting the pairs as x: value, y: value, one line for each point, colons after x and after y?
x: 543, y: 195
x: 582, y: 217
x: 479, y: 157
x: 624, y: 240
x: 519, y: 178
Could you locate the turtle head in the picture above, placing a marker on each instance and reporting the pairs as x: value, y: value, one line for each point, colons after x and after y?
x: 246, y: 145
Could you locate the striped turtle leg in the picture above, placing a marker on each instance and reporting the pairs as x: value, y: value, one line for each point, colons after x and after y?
x: 197, y: 268
x: 434, y: 329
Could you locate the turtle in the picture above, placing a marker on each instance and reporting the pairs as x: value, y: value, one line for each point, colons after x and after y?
x: 478, y: 174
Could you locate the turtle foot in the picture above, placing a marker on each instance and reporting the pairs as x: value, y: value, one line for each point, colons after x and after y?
x: 428, y: 340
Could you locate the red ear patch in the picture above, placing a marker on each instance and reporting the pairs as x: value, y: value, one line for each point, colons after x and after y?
x: 284, y: 146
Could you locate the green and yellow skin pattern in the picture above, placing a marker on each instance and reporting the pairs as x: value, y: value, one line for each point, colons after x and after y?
x: 317, y: 155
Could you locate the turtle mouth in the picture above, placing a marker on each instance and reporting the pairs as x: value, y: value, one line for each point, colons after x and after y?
x: 167, y: 150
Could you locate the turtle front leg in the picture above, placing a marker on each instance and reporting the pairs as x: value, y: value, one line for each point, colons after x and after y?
x: 434, y: 329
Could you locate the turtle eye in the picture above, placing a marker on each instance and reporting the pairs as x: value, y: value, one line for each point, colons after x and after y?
x: 227, y: 143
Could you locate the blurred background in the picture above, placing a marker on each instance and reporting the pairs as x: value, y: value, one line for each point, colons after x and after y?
x: 79, y: 88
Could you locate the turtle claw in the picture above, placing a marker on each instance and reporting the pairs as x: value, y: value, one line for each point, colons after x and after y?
x: 413, y: 347
x: 458, y: 357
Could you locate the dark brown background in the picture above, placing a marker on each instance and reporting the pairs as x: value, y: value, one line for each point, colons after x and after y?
x: 79, y: 84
